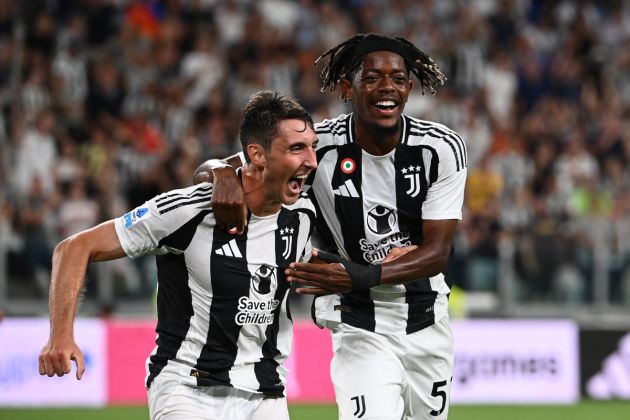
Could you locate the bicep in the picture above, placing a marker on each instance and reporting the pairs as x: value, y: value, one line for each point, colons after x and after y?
x: 428, y: 259
x: 101, y: 242
x: 439, y: 234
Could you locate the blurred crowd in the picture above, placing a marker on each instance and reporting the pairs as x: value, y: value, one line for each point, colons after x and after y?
x: 105, y: 103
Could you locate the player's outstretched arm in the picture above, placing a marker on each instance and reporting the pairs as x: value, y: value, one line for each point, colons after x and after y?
x: 228, y: 199
x: 341, y: 275
x: 70, y: 260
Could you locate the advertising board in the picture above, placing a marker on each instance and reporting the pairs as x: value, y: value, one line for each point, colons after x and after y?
x: 20, y: 382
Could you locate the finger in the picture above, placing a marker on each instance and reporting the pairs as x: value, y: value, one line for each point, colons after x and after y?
x: 393, y: 254
x: 79, y: 360
x: 311, y: 291
x: 42, y: 365
x: 66, y: 366
x: 302, y: 276
x: 57, y: 365
x: 48, y: 365
x: 321, y: 269
x: 311, y: 283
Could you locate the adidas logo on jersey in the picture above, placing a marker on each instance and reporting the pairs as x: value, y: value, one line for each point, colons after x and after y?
x: 613, y: 381
x: 347, y: 190
x: 230, y: 250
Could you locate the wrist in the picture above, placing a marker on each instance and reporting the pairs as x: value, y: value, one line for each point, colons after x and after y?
x: 363, y: 277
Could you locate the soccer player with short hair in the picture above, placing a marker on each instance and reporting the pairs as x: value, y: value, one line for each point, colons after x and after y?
x: 224, y: 327
x: 386, y: 183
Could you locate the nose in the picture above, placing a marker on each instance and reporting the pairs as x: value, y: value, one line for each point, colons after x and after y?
x: 310, y: 160
x: 386, y: 84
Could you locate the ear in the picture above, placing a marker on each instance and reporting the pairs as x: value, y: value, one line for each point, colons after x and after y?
x: 410, y: 87
x: 256, y: 154
x: 346, y: 90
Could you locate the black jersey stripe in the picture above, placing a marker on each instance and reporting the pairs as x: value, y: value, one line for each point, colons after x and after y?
x: 325, y: 236
x: 220, y: 350
x: 420, y: 300
x: 351, y: 208
x: 164, y: 204
x: 266, y: 369
x: 174, y: 303
x: 330, y: 131
x: 180, y: 194
x: 186, y: 203
x: 411, y: 189
x: 433, y: 167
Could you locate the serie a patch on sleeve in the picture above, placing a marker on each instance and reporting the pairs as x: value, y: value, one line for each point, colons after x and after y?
x: 135, y: 215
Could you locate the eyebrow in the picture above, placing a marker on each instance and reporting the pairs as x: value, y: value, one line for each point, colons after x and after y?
x: 381, y: 71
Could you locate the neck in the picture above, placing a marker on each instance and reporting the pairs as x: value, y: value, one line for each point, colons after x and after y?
x: 256, y: 195
x: 375, y: 139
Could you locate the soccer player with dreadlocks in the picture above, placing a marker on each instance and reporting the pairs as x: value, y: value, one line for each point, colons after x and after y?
x: 389, y: 190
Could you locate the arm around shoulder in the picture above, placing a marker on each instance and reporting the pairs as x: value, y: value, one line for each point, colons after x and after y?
x: 205, y: 171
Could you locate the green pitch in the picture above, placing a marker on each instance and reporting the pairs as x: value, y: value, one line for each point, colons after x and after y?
x: 588, y: 410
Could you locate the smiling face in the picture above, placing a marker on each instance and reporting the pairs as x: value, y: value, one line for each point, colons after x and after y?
x: 379, y: 90
x: 289, y: 161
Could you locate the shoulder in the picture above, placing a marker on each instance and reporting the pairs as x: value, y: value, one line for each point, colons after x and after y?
x: 445, y: 142
x: 333, y: 132
x: 190, y: 198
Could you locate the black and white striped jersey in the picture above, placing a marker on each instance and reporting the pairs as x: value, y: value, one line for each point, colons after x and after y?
x: 373, y: 203
x: 223, y: 315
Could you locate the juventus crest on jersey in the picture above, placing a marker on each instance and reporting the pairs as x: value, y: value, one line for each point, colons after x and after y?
x: 223, y: 316
x: 373, y: 203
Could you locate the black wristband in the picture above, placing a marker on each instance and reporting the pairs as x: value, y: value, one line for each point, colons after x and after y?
x: 363, y: 277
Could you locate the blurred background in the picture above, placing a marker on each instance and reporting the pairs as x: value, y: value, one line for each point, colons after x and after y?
x: 106, y: 103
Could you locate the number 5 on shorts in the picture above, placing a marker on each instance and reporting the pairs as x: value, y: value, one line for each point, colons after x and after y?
x: 436, y: 392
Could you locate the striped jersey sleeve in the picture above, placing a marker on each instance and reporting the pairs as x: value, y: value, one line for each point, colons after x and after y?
x: 445, y: 195
x: 141, y: 230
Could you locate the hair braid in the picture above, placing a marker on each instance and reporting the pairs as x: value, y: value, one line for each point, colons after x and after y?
x: 339, y: 65
x: 423, y: 66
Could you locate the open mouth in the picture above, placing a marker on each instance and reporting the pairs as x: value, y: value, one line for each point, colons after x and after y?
x: 386, y: 106
x: 297, y: 182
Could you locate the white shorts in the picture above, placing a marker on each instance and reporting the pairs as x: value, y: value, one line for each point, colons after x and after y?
x: 392, y: 377
x: 170, y: 398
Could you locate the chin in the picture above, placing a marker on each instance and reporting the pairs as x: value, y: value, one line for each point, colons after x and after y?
x: 289, y: 199
x: 386, y: 126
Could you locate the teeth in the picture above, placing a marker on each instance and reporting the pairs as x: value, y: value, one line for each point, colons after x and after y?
x: 301, y: 176
x: 386, y: 103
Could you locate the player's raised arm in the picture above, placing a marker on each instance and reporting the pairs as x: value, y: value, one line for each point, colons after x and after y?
x: 70, y: 260
x: 228, y: 199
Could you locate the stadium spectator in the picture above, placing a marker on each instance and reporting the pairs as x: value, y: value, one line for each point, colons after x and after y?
x: 538, y: 71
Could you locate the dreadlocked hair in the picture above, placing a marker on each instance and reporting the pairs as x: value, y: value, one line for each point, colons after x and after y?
x: 343, y: 61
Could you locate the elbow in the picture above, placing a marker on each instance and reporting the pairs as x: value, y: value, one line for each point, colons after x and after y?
x: 438, y: 263
x: 72, y: 245
x: 62, y: 247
